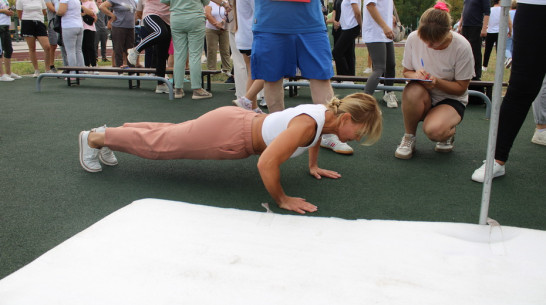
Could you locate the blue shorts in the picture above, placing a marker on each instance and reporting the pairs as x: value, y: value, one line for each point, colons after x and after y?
x: 275, y: 56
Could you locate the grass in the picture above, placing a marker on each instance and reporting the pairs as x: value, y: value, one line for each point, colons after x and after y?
x: 25, y: 67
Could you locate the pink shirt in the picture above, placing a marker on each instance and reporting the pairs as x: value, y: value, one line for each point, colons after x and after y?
x: 155, y: 7
x: 92, y: 6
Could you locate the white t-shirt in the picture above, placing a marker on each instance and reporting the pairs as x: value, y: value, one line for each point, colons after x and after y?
x: 4, y: 19
x: 494, y: 20
x: 217, y: 12
x: 277, y: 122
x: 73, y: 16
x: 347, y: 18
x: 245, y: 17
x: 371, y: 31
x: 455, y: 62
x: 32, y: 9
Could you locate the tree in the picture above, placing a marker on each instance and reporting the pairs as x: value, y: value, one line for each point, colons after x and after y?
x: 410, y: 11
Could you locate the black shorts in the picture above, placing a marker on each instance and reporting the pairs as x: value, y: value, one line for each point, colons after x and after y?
x: 458, y: 106
x: 33, y: 28
x: 5, y: 40
x: 246, y: 52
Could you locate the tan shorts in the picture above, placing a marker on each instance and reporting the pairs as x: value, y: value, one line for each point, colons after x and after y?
x: 224, y: 133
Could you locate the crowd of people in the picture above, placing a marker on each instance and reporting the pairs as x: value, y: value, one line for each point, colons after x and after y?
x: 271, y: 40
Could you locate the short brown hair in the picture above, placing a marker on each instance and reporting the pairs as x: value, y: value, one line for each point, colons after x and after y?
x: 434, y: 25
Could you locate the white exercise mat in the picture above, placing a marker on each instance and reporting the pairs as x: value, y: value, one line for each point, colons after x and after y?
x: 164, y: 252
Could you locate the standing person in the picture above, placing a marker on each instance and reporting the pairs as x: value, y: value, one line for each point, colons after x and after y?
x: 473, y: 26
x: 290, y: 35
x: 336, y: 15
x: 377, y: 33
x: 156, y: 19
x: 31, y: 13
x: 101, y: 36
x: 526, y: 78
x: 492, y: 36
x: 53, y: 37
x: 239, y: 67
x: 217, y: 38
x: 188, y: 32
x: 72, y: 29
x: 88, y: 43
x: 443, y: 57
x: 344, y: 48
x: 234, y: 133
x: 122, y: 24
x: 5, y: 42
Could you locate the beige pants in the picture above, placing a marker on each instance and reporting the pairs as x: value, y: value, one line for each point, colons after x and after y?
x: 218, y: 40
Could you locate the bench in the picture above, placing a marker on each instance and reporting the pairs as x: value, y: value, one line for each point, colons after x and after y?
x: 137, y: 71
x: 337, y: 82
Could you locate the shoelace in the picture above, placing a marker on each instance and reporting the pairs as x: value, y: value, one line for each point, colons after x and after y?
x: 407, y: 142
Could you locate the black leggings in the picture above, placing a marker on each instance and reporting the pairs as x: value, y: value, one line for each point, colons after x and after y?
x: 490, y: 40
x: 160, y: 38
x: 383, y: 62
x: 528, y: 70
x: 88, y: 48
x: 344, y: 51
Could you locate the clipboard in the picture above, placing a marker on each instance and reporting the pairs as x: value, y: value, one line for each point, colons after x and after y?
x: 405, y: 79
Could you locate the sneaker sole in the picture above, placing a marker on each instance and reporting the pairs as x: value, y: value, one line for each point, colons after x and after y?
x: 198, y: 97
x: 91, y: 170
x: 161, y: 91
x: 538, y: 142
x: 443, y: 150
x: 341, y: 152
x: 403, y: 157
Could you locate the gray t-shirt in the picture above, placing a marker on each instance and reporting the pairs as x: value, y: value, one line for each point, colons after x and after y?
x: 50, y: 14
x: 125, y: 13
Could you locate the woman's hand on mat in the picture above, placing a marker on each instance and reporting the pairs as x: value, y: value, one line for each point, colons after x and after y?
x: 298, y: 205
x: 319, y: 173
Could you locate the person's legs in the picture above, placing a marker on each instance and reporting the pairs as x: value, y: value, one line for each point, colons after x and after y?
x: 416, y: 103
x: 117, y: 44
x: 180, y: 41
x: 196, y: 36
x: 321, y: 90
x: 472, y: 34
x: 239, y: 68
x: 378, y: 52
x: 7, y: 48
x: 31, y: 43
x: 88, y: 42
x: 440, y: 122
x: 490, y: 40
x: 70, y: 37
x: 340, y: 51
x: 212, y: 47
x: 223, y: 44
x: 79, y: 53
x: 274, y: 93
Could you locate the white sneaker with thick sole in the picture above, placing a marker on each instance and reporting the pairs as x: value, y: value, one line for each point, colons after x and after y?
x: 15, y: 76
x: 106, y: 155
x: 446, y: 146
x: 161, y: 88
x: 132, y: 56
x: 263, y: 103
x: 391, y: 100
x: 89, y: 157
x: 406, y: 148
x: 200, y: 94
x: 243, y: 102
x: 332, y: 142
x: 36, y: 73
x: 178, y: 93
x: 539, y: 137
x: 479, y: 174
x: 368, y: 70
x: 6, y: 78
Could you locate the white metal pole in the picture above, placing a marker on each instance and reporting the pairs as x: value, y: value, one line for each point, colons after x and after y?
x: 497, y: 100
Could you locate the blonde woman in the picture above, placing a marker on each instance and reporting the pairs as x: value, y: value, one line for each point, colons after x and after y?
x: 235, y: 133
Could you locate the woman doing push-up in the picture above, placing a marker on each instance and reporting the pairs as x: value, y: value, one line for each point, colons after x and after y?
x: 236, y: 133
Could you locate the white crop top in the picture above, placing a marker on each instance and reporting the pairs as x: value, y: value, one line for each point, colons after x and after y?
x: 277, y: 122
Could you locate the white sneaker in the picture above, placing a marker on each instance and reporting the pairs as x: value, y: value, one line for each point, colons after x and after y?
x: 508, y: 63
x: 96, y: 72
x: 332, y: 142
x: 368, y: 71
x: 479, y: 174
x: 6, y: 78
x: 406, y: 148
x: 89, y: 157
x: 36, y: 73
x: 15, y: 76
x: 106, y: 155
x: 539, y: 137
x: 132, y: 56
x: 178, y: 93
x: 161, y: 88
x: 446, y: 146
x: 391, y: 100
x: 243, y: 102
x: 484, y: 68
x: 263, y: 103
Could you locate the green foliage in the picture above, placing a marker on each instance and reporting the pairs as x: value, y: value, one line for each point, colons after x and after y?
x: 410, y: 11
